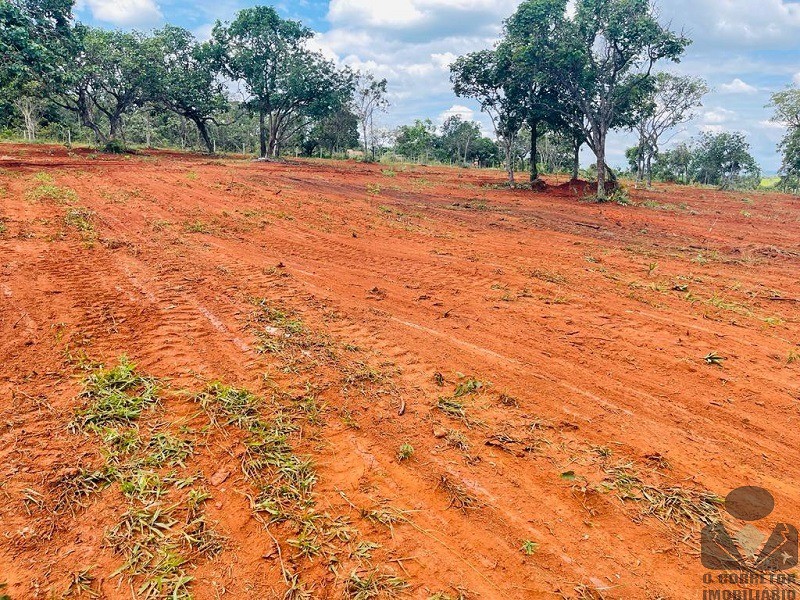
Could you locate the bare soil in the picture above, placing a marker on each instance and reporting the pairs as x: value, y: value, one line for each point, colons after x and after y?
x: 578, y: 382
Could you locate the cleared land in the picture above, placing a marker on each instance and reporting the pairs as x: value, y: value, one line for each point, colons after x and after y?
x: 579, y: 382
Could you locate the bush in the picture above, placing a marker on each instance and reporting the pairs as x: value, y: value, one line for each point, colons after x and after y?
x: 115, y: 147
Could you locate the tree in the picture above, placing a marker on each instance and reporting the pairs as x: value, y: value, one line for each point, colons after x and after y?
x: 34, y: 35
x: 458, y: 137
x: 529, y: 45
x: 485, y: 152
x: 417, y: 140
x: 556, y: 152
x: 604, y: 62
x: 369, y: 97
x: 286, y: 83
x: 185, y: 79
x: 790, y: 167
x: 484, y: 76
x: 668, y: 104
x: 338, y: 131
x: 108, y: 76
x: 30, y: 107
x: 724, y: 159
x: 787, y: 112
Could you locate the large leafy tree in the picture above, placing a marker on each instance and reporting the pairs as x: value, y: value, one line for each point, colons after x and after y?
x: 185, y: 79
x: 35, y: 37
x: 724, y: 159
x: 604, y: 62
x: 672, y: 165
x: 529, y: 46
x: 338, y: 131
x: 485, y: 76
x: 458, y: 137
x: 790, y: 166
x: 786, y: 104
x: 108, y: 76
x: 668, y: 104
x: 417, y: 140
x: 286, y: 84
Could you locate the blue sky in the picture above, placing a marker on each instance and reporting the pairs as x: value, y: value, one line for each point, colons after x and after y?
x: 745, y: 49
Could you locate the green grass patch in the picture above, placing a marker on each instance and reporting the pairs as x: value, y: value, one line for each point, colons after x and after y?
x: 116, y: 396
x: 52, y: 192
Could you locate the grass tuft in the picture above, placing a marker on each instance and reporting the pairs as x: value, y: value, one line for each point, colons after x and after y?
x: 459, y: 497
x: 229, y: 405
x: 374, y: 584
x: 117, y: 395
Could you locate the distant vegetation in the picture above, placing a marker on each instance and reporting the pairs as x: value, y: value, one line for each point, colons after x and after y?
x: 721, y: 159
x: 556, y: 81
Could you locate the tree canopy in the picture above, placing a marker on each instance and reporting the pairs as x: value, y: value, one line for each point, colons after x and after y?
x: 285, y: 83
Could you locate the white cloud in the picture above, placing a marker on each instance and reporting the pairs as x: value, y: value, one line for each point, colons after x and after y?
x: 796, y: 79
x: 126, y: 13
x: 737, y: 86
x: 420, y: 20
x: 398, y: 13
x: 717, y: 116
x: 443, y: 60
x: 772, y: 125
x: 713, y: 128
x: 465, y: 112
x: 761, y: 23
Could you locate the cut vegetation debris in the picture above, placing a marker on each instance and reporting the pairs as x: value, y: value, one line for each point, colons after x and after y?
x: 674, y: 504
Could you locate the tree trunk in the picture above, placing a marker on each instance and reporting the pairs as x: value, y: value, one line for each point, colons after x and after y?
x: 509, y: 164
x: 115, y: 122
x: 639, y: 162
x: 203, y: 130
x: 649, y: 169
x: 274, y: 136
x: 576, y: 159
x: 262, y: 132
x: 534, y: 150
x: 29, y: 109
x: 600, y: 151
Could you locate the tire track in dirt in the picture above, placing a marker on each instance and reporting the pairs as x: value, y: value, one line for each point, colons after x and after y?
x: 604, y: 361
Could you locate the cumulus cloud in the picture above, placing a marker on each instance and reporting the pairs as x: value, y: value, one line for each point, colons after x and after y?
x: 717, y: 116
x: 761, y: 23
x: 457, y: 110
x: 737, y: 86
x: 396, y: 14
x: 126, y: 13
x: 420, y: 20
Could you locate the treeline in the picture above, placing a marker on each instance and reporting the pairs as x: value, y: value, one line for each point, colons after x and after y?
x: 721, y: 159
x: 254, y: 83
x: 579, y: 74
x: 556, y: 81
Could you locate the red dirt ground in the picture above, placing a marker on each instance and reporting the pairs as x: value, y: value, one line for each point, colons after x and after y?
x: 587, y: 324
